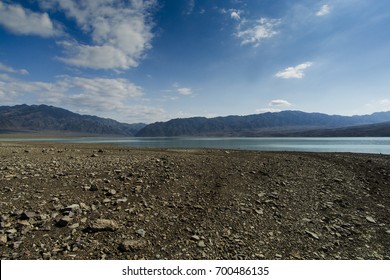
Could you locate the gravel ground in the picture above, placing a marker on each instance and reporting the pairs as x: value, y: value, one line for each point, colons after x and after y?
x: 74, y: 201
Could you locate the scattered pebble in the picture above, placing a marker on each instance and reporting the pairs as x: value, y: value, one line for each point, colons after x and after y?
x: 103, y: 225
x: 370, y: 219
x: 312, y: 234
x: 140, y: 232
x: 132, y: 245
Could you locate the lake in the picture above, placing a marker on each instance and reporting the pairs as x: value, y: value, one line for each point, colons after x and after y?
x: 374, y: 145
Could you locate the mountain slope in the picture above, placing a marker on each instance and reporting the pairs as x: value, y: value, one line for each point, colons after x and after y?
x: 267, y: 124
x: 25, y: 118
x: 370, y: 130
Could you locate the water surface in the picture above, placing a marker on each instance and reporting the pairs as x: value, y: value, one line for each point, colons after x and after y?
x: 322, y: 144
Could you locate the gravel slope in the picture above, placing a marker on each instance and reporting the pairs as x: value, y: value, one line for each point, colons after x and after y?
x: 68, y: 201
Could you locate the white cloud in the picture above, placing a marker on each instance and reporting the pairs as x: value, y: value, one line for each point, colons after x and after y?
x: 294, y: 72
x: 141, y: 113
x: 235, y: 15
x: 97, y: 57
x: 190, y: 7
x: 280, y: 103
x: 323, y: 11
x: 111, y: 98
x: 5, y: 77
x: 378, y: 106
x: 184, y: 91
x: 258, y: 31
x: 8, y: 69
x: 267, y: 110
x: 385, y: 102
x: 169, y: 97
x: 223, y: 11
x: 179, y: 89
x: 121, y: 32
x: 19, y: 20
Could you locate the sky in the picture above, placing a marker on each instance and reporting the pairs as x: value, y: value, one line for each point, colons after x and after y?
x: 155, y: 60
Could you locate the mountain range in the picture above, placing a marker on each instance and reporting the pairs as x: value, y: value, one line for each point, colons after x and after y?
x: 48, y: 119
x: 285, y: 123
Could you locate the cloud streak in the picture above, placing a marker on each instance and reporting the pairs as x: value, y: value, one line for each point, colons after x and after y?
x: 295, y: 72
x: 280, y: 103
x: 8, y: 69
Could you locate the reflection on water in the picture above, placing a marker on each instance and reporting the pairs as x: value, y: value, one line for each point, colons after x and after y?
x: 357, y: 145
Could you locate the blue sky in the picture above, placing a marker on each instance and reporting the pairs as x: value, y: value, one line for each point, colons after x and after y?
x: 154, y: 60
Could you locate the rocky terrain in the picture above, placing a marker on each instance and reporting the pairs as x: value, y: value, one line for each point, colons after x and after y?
x: 65, y: 201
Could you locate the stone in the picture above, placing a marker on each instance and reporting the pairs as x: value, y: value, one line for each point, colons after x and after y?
x: 5, y: 225
x: 262, y: 194
x: 27, y: 215
x: 103, y: 225
x: 11, y: 231
x: 259, y: 211
x: 140, y: 232
x: 23, y: 223
x: 93, y: 188
x: 64, y: 221
x: 138, y: 189
x: 201, y: 244
x: 84, y: 206
x: 388, y: 231
x: 121, y: 200
x: 16, y: 244
x: 312, y: 234
x: 132, y: 245
x: 370, y: 219
x: 75, y: 225
x: 3, y: 239
x: 111, y: 192
x: 195, y: 237
x: 73, y: 208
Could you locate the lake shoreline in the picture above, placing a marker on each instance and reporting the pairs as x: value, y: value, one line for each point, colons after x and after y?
x: 104, y: 201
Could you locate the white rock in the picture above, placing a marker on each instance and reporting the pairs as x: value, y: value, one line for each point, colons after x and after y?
x: 370, y: 219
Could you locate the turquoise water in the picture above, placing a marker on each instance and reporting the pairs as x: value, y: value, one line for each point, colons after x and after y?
x: 357, y: 145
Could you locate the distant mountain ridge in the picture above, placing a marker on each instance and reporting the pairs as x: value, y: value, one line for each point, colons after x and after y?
x: 53, y: 120
x: 44, y: 118
x: 285, y: 123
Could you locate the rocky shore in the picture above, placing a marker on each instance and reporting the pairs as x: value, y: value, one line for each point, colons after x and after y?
x: 68, y: 201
